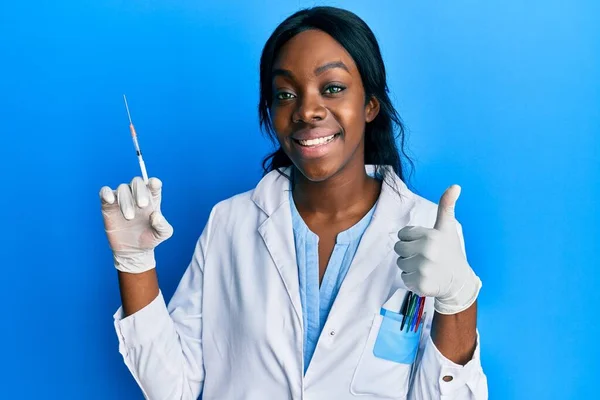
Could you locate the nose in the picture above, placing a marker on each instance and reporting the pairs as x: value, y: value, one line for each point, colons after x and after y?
x: 309, y: 109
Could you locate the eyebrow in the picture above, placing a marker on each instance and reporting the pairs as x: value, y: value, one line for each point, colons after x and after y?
x: 331, y: 65
x: 282, y: 72
x: 318, y: 70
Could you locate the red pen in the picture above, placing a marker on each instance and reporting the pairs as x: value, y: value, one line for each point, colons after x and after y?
x: 422, y: 306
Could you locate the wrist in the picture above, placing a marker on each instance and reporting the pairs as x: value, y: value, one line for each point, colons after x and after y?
x: 461, y: 299
x: 134, y: 262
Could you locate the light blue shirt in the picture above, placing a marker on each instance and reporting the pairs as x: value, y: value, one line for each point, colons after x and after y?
x: 317, y: 301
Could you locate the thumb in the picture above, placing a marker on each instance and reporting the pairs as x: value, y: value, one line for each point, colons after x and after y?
x: 445, y: 214
x: 163, y: 230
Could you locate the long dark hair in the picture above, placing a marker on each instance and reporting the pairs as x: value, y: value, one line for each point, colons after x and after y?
x: 360, y: 42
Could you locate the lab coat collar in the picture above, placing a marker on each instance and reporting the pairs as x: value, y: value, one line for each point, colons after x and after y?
x: 392, y: 213
x: 271, y: 196
x: 272, y: 192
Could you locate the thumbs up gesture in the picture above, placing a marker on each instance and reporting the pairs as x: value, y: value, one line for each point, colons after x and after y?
x: 433, y: 263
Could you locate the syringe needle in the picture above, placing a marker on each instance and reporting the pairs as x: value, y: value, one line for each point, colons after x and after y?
x: 136, y: 144
x: 127, y: 107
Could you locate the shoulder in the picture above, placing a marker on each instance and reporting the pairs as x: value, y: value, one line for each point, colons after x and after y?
x: 231, y: 210
x: 235, y: 202
x: 268, y: 195
x: 424, y: 210
x: 252, y: 206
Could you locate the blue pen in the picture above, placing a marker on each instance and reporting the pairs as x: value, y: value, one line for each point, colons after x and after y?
x: 414, y: 318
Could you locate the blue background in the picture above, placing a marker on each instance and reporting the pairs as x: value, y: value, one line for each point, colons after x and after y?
x: 502, y: 97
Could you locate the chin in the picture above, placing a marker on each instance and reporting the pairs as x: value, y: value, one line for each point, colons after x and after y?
x: 316, y: 171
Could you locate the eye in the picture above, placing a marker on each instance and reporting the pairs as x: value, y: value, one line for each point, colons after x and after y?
x: 284, y: 96
x: 334, y: 89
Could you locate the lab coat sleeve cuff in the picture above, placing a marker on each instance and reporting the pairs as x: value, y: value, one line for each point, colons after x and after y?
x: 143, y: 325
x: 471, y: 374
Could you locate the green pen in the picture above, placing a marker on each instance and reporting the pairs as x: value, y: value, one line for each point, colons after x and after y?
x: 413, y: 306
x: 409, y: 311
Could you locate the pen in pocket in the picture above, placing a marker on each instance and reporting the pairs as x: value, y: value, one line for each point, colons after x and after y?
x: 415, y: 315
x: 404, y: 309
x: 412, y: 312
x: 413, y: 309
x: 420, y: 313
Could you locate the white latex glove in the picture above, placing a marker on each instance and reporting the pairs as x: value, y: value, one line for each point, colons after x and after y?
x: 433, y: 263
x: 134, y: 224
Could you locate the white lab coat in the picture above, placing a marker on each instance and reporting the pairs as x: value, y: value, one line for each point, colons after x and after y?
x: 233, y: 329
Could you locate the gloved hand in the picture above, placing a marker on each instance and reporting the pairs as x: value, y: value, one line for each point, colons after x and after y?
x: 433, y: 262
x: 134, y: 224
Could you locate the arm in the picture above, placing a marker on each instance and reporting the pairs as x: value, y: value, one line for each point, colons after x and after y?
x: 161, y: 345
x: 449, y: 363
x: 434, y: 264
x: 455, y: 335
x: 437, y: 376
x: 137, y: 290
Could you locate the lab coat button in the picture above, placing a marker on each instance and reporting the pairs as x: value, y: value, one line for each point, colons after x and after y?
x: 332, y: 333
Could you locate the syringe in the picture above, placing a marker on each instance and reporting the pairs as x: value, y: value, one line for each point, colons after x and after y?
x: 136, y: 144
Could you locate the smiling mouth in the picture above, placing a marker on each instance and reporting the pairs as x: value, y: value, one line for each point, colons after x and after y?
x: 317, y: 142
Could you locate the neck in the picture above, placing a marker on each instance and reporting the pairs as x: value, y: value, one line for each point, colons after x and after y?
x: 350, y: 191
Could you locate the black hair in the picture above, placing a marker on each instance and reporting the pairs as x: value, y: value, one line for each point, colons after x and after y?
x: 359, y: 41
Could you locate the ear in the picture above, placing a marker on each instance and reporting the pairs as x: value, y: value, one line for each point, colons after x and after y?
x: 371, y: 109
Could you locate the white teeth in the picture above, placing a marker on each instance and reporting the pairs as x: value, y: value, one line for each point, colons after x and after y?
x: 314, y: 142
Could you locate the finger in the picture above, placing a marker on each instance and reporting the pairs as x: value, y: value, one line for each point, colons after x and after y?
x: 419, y: 284
x: 125, y: 200
x: 155, y: 187
x: 411, y: 281
x: 408, y: 249
x: 107, y: 196
x: 409, y: 233
x: 411, y: 264
x: 141, y: 194
x: 445, y: 214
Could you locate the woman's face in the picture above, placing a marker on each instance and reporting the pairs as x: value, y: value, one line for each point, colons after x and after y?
x: 319, y: 110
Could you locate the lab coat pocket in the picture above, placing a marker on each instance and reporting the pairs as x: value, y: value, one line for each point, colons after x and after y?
x: 384, y: 366
x: 394, y: 344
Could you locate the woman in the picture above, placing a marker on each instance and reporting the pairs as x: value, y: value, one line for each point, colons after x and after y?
x: 294, y: 290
